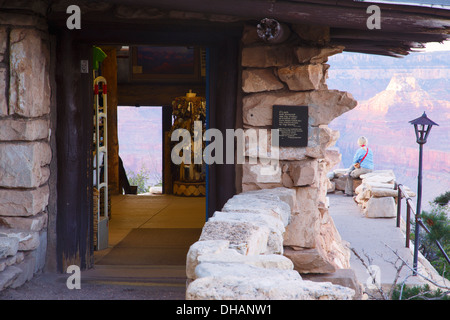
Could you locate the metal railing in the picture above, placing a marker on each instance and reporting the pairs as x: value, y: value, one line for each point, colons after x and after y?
x: 418, y: 221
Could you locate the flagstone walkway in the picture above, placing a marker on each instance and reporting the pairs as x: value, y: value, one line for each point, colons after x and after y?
x: 377, y: 239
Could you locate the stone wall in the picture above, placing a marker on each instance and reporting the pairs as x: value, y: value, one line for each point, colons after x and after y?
x: 294, y: 73
x: 25, y: 151
x: 239, y: 254
x: 375, y: 192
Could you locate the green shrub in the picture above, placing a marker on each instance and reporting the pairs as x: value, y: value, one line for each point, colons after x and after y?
x: 139, y: 179
x: 418, y: 293
x: 437, y: 222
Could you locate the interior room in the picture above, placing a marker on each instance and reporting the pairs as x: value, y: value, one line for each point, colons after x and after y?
x: 153, y: 210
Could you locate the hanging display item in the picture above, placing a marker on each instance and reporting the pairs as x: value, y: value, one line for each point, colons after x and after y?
x: 189, y: 178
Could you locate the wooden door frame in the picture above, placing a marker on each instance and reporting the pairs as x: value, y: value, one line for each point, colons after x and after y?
x: 74, y: 229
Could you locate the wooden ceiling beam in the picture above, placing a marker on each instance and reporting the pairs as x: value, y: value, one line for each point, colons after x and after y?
x: 339, y: 14
x: 382, y: 35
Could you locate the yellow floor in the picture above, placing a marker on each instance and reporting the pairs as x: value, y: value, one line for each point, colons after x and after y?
x: 152, y: 211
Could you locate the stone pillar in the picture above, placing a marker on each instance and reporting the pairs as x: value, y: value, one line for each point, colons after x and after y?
x: 294, y: 73
x: 25, y: 151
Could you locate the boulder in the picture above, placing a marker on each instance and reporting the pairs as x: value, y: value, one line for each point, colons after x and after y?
x: 8, y: 246
x: 257, y: 80
x: 8, y: 276
x: 202, y: 247
x: 257, y: 107
x: 343, y: 277
x: 27, y: 240
x: 23, y: 129
x: 302, y: 77
x: 315, y: 34
x: 272, y: 261
x: 327, y: 105
x: 304, y: 173
x: 24, y: 165
x: 264, y: 288
x: 267, y: 56
x: 312, y: 260
x: 340, y: 183
x: 381, y: 208
x: 27, y: 266
x: 246, y: 237
x: 324, y: 105
x: 260, y: 173
x: 316, y: 54
x: 304, y: 226
x: 29, y: 75
x: 275, y: 226
x: 333, y: 157
x: 245, y: 270
x: 319, y: 139
x: 247, y: 202
x: 16, y: 202
x: 286, y: 195
x: 33, y: 223
x: 11, y: 260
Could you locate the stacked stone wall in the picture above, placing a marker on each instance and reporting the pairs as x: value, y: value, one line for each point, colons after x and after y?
x: 294, y: 73
x: 25, y: 151
x: 239, y: 254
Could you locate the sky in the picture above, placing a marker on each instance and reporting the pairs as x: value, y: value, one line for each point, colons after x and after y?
x: 436, y: 46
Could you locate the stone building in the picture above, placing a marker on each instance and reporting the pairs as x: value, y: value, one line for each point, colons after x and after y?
x: 259, y: 54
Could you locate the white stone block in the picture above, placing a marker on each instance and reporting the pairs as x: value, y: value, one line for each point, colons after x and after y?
x: 248, y: 238
x: 8, y: 246
x: 243, y: 270
x: 27, y: 240
x: 381, y: 208
x: 263, y: 261
x: 264, y: 288
x: 276, y: 227
x: 24, y: 165
x: 246, y: 202
x: 202, y: 247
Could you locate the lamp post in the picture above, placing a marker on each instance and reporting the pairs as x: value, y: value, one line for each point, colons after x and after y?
x: 422, y: 127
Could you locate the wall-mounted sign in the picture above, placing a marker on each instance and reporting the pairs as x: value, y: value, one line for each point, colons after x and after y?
x: 292, y: 123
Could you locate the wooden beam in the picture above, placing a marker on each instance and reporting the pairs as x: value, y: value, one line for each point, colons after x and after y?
x: 74, y: 154
x: 342, y: 14
x: 336, y: 33
x: 132, y: 94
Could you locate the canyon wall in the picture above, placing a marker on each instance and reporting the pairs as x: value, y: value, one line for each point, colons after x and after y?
x: 391, y: 93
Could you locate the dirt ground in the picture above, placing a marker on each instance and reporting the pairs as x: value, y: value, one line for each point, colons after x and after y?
x: 47, y: 286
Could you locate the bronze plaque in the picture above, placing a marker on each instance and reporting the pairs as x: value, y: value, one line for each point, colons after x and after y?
x: 292, y: 123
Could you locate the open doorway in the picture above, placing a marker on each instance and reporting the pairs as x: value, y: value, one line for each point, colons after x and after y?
x: 75, y: 218
x: 140, y: 136
x: 149, y: 223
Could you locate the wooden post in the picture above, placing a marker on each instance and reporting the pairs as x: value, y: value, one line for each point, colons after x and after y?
x: 74, y: 154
